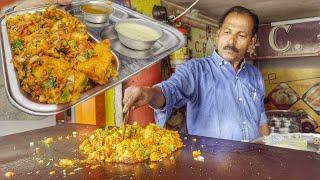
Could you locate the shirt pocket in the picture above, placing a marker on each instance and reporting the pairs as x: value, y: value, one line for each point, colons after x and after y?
x: 254, y: 98
x: 254, y: 92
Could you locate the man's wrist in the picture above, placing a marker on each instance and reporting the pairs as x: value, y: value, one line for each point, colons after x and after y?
x: 157, y: 99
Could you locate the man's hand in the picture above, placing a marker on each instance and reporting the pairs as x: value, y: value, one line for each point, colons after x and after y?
x: 264, y: 130
x: 140, y: 96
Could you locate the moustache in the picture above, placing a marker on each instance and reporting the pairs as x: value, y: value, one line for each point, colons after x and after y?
x: 232, y: 48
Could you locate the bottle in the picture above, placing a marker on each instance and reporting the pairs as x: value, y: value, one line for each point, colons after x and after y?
x: 181, y: 55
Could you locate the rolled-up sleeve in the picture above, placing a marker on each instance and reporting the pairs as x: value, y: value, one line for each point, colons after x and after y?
x: 263, y: 119
x: 177, y: 90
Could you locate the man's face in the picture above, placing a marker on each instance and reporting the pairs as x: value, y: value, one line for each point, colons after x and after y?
x: 235, y: 36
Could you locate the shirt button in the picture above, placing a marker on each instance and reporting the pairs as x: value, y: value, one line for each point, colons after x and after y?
x: 240, y: 99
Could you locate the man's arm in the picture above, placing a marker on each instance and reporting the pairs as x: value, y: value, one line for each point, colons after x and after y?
x: 175, y: 92
x: 140, y: 96
x: 263, y: 129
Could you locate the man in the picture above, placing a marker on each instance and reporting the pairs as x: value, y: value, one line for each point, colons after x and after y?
x: 223, y: 93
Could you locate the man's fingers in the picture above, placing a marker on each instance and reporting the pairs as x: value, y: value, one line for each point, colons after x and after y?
x: 134, y: 96
x: 127, y: 105
x: 131, y: 101
x: 125, y: 108
x: 131, y: 95
x: 126, y: 95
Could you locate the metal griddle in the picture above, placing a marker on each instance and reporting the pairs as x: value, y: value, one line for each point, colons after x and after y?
x: 224, y: 159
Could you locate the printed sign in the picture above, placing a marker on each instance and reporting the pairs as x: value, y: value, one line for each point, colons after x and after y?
x: 288, y: 41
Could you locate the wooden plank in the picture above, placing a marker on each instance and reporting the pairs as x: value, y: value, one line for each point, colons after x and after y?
x: 86, y: 112
x: 109, y: 107
x: 100, y: 110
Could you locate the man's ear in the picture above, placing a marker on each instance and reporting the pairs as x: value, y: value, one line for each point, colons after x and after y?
x: 217, y: 35
x: 253, y: 42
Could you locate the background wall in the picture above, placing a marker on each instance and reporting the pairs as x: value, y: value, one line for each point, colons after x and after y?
x: 297, y: 74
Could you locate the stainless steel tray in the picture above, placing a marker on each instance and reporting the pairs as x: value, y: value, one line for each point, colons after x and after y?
x: 21, y: 100
x: 169, y: 41
x: 298, y: 141
x: 130, y: 62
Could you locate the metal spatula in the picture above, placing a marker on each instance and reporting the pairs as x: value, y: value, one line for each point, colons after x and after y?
x: 125, y: 121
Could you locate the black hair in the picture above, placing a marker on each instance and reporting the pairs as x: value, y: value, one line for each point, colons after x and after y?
x: 240, y: 9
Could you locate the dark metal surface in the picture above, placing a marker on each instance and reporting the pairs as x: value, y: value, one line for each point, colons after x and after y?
x: 223, y: 159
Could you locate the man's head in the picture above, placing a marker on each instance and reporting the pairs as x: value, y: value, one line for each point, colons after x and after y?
x: 236, y: 33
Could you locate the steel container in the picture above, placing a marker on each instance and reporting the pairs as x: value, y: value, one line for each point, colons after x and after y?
x: 138, y: 44
x: 96, y: 18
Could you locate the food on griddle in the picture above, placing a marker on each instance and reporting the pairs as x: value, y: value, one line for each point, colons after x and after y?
x: 197, y: 155
x: 9, y: 174
x: 137, y: 145
x: 74, y: 133
x: 283, y: 96
x: 40, y: 161
x: 64, y: 163
x: 54, y: 58
x: 31, y: 144
x: 47, y: 141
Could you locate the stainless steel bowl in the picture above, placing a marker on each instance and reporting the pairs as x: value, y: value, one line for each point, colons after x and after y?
x: 137, y: 44
x: 96, y: 18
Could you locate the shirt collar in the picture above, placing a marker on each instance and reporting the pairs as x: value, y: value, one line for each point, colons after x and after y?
x: 217, y: 58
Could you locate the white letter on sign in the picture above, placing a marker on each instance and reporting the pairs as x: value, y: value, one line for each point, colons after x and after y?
x: 273, y: 38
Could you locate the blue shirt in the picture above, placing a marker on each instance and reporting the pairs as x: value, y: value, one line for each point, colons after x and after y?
x: 221, y: 103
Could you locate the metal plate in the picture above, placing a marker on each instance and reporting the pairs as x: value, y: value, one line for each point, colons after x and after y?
x: 298, y: 141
